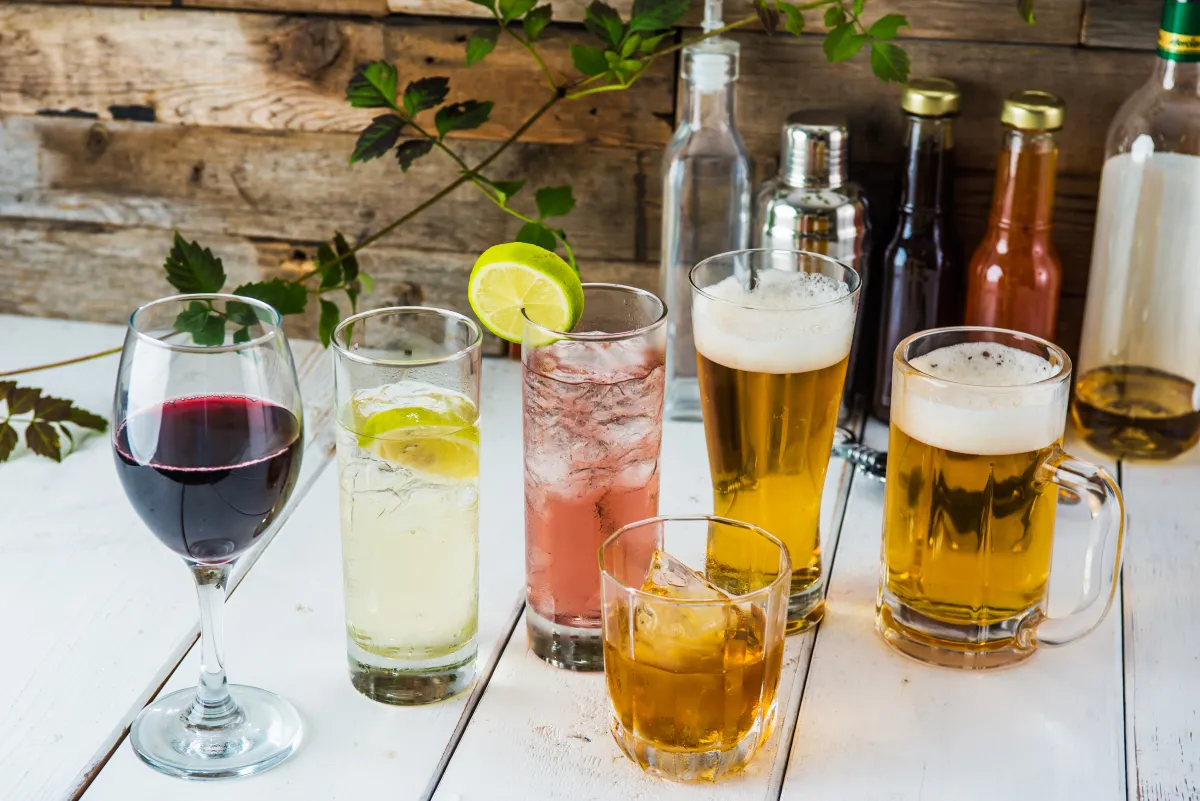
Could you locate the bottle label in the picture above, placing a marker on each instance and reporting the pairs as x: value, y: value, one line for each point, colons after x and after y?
x: 1179, y: 35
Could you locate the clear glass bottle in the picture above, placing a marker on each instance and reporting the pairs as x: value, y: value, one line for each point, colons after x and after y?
x: 1139, y: 361
x: 1015, y: 277
x: 812, y: 205
x: 922, y: 267
x: 706, y: 199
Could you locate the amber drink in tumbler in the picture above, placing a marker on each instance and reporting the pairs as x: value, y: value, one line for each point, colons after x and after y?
x: 692, y: 657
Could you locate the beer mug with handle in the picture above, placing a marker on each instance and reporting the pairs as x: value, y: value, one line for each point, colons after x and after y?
x: 975, y: 464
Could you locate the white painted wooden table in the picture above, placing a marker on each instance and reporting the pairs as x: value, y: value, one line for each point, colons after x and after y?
x: 98, y: 618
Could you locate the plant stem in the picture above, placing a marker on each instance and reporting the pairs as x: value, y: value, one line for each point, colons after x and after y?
x: 536, y: 56
x: 63, y: 363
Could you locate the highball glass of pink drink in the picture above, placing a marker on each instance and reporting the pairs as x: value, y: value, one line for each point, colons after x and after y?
x: 593, y: 403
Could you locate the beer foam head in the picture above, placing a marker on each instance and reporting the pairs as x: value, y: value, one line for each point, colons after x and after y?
x: 973, y: 401
x: 788, y: 323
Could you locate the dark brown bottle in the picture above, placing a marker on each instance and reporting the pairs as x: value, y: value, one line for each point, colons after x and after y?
x: 922, y: 267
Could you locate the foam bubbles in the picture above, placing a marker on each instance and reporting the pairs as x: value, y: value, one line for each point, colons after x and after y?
x: 984, y: 411
x: 787, y: 324
x: 985, y: 364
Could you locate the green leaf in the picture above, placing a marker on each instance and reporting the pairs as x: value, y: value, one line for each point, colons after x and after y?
x: 352, y: 294
x: 241, y: 335
x: 8, y: 441
x: 590, y: 61
x: 349, y: 260
x: 464, y: 116
x: 631, y: 45
x: 768, y: 17
x: 1025, y: 9
x: 51, y: 409
x: 425, y: 94
x: 514, y: 9
x: 508, y: 188
x: 843, y: 42
x: 603, y: 22
x: 86, y: 419
x: 284, y: 296
x: 193, y: 318
x: 657, y: 15
x: 482, y: 42
x: 858, y: 6
x: 377, y: 138
x: 536, y: 21
x: 330, y: 267
x: 651, y: 43
x: 537, y: 234
x: 886, y: 27
x: 794, y: 23
x: 23, y: 399
x: 372, y: 85
x: 242, y: 314
x: 366, y: 282
x: 554, y: 201
x: 889, y: 62
x: 331, y: 315
x: 192, y: 269
x: 43, y: 440
x: 490, y: 5
x: 835, y: 16
x: 213, y: 332
x: 6, y: 390
x: 410, y: 151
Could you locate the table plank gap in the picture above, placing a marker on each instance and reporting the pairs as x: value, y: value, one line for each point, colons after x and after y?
x: 476, y: 694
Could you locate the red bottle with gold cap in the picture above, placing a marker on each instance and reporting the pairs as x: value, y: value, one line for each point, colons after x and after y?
x: 1014, y: 278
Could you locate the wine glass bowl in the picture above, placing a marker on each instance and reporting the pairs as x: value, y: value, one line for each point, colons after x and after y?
x: 208, y: 440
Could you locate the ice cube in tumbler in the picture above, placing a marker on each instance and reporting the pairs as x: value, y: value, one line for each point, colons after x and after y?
x: 683, y: 638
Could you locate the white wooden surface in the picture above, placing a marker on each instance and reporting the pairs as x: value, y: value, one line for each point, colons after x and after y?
x: 98, y: 615
x: 285, y: 631
x: 97, y: 612
x: 1162, y: 646
x: 875, y: 725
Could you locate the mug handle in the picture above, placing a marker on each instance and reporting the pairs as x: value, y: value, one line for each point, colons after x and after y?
x: 1102, y: 562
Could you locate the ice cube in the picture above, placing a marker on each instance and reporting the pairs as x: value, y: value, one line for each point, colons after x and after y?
x: 683, y: 638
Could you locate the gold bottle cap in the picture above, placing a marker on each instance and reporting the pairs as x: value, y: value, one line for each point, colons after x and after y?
x: 1034, y: 111
x: 931, y: 97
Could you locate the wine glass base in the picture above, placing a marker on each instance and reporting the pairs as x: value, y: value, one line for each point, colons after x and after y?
x: 266, y: 732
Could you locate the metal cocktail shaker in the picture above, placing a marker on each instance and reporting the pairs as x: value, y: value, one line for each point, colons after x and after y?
x: 812, y: 205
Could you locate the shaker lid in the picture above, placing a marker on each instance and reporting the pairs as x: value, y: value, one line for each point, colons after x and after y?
x: 816, y: 149
x: 931, y: 97
x: 1032, y: 110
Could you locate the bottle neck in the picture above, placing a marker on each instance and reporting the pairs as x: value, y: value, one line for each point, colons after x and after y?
x: 709, y: 109
x: 928, y: 165
x: 1025, y: 180
x: 1177, y: 76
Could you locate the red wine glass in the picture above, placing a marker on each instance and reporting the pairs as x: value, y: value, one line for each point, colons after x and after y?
x: 207, y: 435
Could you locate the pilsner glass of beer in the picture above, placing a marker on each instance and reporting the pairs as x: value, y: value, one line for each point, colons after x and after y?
x: 975, y: 464
x: 773, y: 331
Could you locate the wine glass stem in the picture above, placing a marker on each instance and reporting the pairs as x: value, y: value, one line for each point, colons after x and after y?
x: 213, y: 706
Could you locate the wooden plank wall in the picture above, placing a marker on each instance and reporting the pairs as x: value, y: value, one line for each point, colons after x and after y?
x: 123, y: 119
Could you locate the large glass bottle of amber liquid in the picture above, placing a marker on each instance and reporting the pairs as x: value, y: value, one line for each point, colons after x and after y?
x: 1013, y: 280
x: 1139, y: 361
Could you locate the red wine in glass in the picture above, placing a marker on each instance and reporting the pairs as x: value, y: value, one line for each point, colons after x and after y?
x: 208, y: 474
x: 207, y: 435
